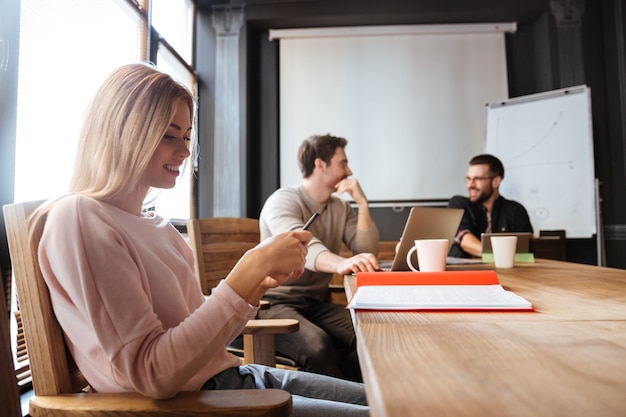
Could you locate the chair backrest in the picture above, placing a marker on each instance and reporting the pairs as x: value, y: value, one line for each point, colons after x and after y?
x: 53, y: 370
x: 218, y: 243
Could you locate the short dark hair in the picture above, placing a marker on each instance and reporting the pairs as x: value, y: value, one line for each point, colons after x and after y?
x: 495, y: 166
x: 318, y: 146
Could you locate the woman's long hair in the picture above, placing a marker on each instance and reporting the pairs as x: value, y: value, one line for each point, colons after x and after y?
x: 122, y: 127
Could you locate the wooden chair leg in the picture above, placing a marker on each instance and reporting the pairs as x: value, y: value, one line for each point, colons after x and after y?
x: 258, y: 339
x: 259, y: 348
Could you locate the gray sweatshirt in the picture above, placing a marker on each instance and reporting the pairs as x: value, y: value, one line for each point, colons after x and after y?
x: 288, y: 209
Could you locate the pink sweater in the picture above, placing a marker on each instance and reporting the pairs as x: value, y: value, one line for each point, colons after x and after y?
x: 124, y: 291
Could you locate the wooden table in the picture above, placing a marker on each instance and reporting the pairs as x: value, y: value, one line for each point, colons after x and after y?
x: 566, y: 359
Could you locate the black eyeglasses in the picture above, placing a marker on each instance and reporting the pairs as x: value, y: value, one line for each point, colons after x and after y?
x: 469, y: 180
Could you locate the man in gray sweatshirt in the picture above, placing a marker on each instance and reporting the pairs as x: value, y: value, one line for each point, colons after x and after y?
x: 326, y: 341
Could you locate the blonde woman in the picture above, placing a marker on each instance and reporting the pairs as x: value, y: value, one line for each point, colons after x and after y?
x: 122, y: 281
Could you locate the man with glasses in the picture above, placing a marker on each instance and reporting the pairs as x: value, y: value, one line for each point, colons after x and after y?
x: 486, y: 211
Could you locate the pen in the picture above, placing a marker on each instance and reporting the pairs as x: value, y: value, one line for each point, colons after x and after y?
x: 310, y: 222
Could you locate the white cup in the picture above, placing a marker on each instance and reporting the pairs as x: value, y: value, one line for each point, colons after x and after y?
x: 431, y: 255
x: 504, y: 250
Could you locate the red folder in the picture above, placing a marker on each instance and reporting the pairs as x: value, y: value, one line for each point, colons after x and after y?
x: 443, y: 291
x: 427, y: 278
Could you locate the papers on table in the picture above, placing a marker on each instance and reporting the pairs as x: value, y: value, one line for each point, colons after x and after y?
x: 436, y: 297
x: 475, y: 290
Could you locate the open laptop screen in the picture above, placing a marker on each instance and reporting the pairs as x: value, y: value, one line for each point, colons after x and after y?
x: 426, y: 223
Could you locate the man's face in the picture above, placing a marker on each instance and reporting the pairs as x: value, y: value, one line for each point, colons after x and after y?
x: 479, y: 183
x: 337, y: 169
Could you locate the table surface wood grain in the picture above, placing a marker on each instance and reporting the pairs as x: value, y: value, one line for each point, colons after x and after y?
x: 568, y: 358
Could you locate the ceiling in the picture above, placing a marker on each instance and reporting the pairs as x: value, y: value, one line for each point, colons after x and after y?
x: 319, y: 13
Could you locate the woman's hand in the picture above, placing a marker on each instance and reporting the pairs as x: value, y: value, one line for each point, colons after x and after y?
x: 285, y: 255
x: 269, y: 264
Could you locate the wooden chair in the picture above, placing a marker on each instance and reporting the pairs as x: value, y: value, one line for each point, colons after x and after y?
x: 217, y: 244
x: 550, y: 244
x: 61, y: 390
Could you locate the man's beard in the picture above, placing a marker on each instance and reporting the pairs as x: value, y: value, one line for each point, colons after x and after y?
x: 484, y: 196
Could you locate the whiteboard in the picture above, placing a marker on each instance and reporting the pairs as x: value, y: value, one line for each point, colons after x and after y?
x: 546, y: 145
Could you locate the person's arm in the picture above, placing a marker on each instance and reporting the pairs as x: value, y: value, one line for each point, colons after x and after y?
x: 471, y: 244
x: 466, y: 238
x: 352, y: 187
x: 329, y: 262
x: 363, y: 238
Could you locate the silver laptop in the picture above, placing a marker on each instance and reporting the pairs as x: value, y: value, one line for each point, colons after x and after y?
x: 424, y: 223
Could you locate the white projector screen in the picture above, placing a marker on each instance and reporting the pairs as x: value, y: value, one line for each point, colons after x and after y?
x: 411, y: 105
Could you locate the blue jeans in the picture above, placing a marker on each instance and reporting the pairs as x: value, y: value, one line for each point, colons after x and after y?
x: 313, y: 395
x: 325, y: 343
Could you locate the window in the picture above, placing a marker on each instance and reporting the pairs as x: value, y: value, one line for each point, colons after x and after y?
x: 173, y: 19
x: 174, y: 203
x: 66, y: 50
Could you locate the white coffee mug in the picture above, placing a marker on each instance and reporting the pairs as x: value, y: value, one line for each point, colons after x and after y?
x: 431, y: 255
x: 504, y: 250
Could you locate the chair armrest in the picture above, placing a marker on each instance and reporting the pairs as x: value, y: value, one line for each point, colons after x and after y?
x: 271, y: 326
x: 255, y: 402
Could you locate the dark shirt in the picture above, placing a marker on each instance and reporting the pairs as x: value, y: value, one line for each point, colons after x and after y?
x: 507, y: 216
